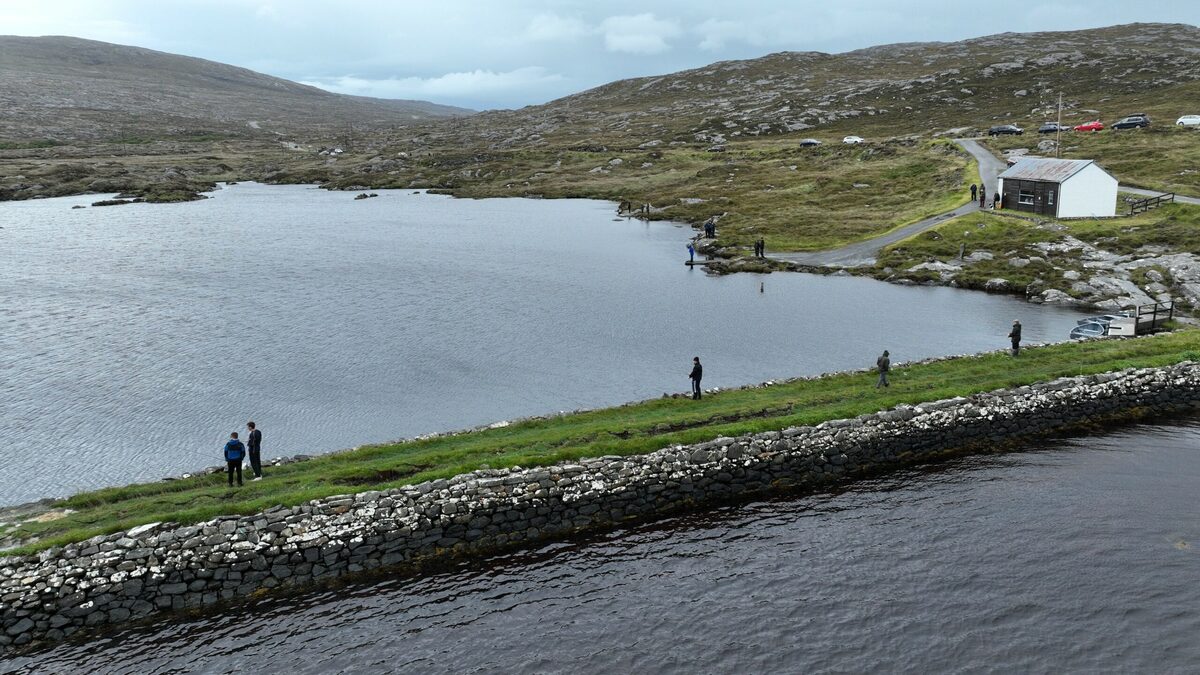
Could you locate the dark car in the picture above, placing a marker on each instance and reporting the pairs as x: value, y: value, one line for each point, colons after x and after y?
x: 1137, y: 121
x: 1004, y: 129
x: 1052, y: 127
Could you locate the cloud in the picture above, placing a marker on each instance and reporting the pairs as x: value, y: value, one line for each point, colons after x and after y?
x: 638, y: 33
x: 554, y: 28
x: 451, y: 86
x: 717, y: 33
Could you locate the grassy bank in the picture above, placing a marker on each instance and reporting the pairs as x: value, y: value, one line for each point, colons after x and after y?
x: 635, y: 428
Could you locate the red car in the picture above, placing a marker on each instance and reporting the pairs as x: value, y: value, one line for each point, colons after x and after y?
x: 1091, y: 126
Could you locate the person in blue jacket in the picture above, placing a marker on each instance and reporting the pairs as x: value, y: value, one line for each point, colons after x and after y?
x: 235, y: 452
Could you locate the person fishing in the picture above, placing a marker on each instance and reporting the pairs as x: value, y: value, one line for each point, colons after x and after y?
x: 884, y: 365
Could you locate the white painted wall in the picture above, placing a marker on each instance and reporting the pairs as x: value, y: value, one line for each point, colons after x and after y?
x: 1091, y: 193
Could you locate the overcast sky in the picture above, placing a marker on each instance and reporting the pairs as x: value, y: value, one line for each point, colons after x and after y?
x: 510, y: 53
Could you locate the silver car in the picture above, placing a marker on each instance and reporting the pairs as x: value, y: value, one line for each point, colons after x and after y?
x: 1188, y: 121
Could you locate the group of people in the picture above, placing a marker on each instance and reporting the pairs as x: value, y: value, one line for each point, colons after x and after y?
x: 883, y: 364
x: 980, y: 192
x: 236, y: 451
x: 710, y: 228
x: 760, y: 248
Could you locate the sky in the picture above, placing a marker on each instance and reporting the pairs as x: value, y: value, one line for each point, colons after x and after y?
x: 486, y: 54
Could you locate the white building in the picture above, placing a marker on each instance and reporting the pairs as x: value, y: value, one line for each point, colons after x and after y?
x: 1063, y: 188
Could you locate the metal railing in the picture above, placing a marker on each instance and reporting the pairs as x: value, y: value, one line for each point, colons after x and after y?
x: 1151, y: 317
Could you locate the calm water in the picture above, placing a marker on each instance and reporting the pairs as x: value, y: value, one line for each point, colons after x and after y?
x: 133, y: 339
x: 1075, y: 556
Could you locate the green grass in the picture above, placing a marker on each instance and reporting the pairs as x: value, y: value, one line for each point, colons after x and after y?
x: 631, y: 429
x: 796, y: 198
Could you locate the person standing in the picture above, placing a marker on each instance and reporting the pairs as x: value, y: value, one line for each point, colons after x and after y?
x: 254, y: 446
x: 1015, y: 336
x: 974, y: 191
x: 982, y: 197
x: 235, y: 452
x: 691, y: 253
x: 697, y: 373
x: 884, y: 365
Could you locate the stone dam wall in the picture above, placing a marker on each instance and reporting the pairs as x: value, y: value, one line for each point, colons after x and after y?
x: 165, y: 567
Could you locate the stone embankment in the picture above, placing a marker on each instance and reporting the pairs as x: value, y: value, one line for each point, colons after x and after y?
x: 164, y: 567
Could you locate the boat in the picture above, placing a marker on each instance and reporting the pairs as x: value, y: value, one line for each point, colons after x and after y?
x: 1124, y: 323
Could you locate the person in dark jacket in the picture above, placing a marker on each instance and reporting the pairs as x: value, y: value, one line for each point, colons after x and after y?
x: 697, y: 373
x: 254, y: 447
x: 982, y: 197
x: 884, y: 364
x: 974, y: 191
x: 1015, y: 336
x: 235, y: 452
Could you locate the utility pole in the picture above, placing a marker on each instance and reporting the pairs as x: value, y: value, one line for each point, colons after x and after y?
x: 1058, y: 129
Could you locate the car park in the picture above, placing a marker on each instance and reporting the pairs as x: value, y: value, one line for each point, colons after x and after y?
x: 1096, y: 125
x: 809, y: 143
x: 853, y: 140
x: 1188, y: 121
x: 1135, y: 121
x: 1006, y: 129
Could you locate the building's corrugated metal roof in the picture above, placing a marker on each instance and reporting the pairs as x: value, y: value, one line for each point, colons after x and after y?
x: 1048, y: 170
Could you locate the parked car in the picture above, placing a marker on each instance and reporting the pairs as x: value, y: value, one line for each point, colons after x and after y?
x: 1006, y: 129
x: 1090, y: 126
x: 809, y: 143
x: 853, y: 140
x: 1052, y: 127
x: 1138, y: 121
x: 1188, y: 121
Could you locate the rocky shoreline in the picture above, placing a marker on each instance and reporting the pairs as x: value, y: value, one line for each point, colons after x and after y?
x: 163, y: 567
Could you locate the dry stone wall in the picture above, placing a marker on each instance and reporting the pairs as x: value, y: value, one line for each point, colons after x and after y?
x: 165, y: 567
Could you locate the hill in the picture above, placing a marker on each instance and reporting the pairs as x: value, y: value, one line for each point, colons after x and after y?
x: 886, y: 90
x: 65, y: 88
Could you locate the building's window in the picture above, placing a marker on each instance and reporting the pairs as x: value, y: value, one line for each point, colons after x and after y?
x: 1025, y: 197
x: 1050, y: 198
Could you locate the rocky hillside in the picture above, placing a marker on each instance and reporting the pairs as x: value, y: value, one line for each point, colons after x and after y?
x: 887, y: 90
x: 63, y: 88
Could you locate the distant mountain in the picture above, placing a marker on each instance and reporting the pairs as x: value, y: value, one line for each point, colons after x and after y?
x: 67, y: 88
x: 888, y: 90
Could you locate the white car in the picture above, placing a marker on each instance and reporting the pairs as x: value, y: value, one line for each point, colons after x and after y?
x: 853, y: 140
x: 1188, y: 121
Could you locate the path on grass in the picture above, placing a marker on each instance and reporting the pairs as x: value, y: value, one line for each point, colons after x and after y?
x: 863, y: 252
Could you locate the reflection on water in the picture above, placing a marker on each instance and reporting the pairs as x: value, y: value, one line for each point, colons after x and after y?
x: 1074, y: 556
x: 133, y: 339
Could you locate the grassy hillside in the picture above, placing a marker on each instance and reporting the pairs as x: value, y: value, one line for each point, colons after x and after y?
x: 64, y: 88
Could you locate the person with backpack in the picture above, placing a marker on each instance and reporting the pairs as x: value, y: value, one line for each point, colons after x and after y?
x: 235, y: 452
x: 974, y: 191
